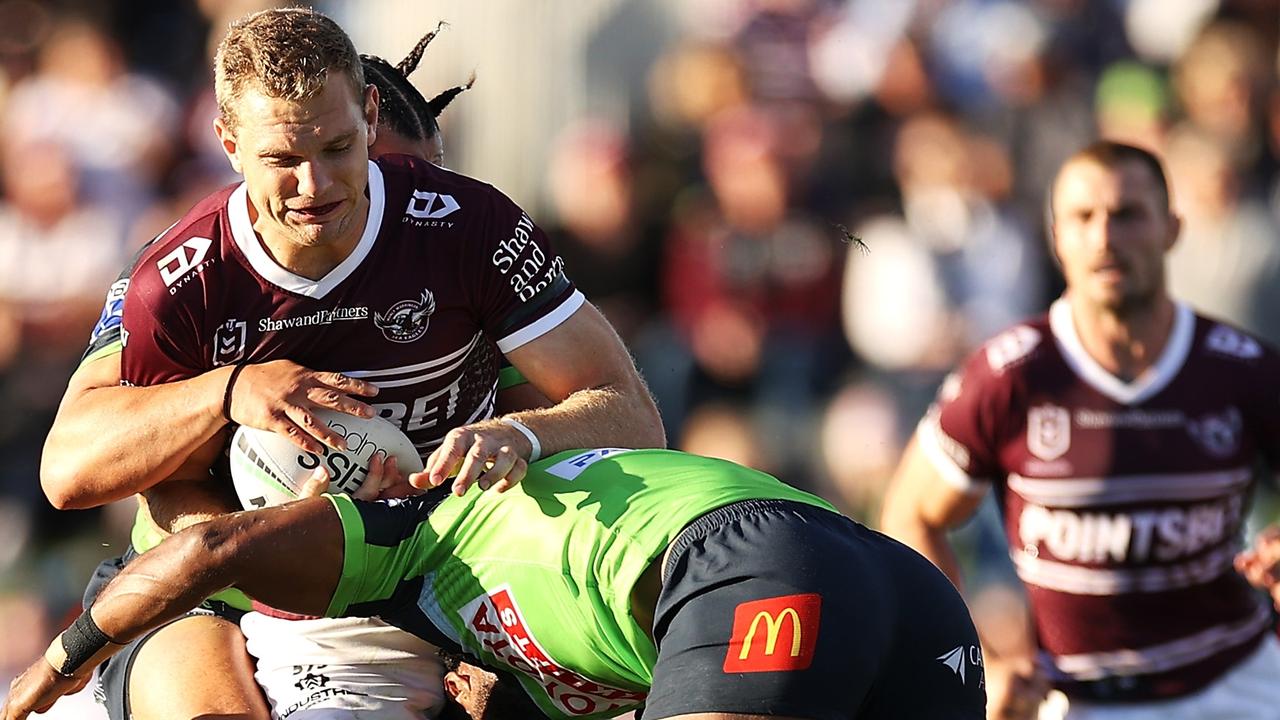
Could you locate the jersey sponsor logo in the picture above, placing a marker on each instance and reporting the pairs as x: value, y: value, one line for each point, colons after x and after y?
x: 407, y: 320
x: 962, y: 657
x: 427, y: 208
x: 184, y: 262
x: 777, y: 634
x: 531, y: 274
x: 112, y: 310
x: 319, y: 317
x: 312, y: 680
x: 1135, y: 419
x: 573, y: 467
x: 1228, y: 341
x: 498, y: 625
x: 229, y: 342
x: 1137, y: 537
x: 1048, y: 431
x: 1218, y: 433
x: 1011, y: 346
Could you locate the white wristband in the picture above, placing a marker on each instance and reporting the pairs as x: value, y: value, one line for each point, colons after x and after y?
x: 525, y: 431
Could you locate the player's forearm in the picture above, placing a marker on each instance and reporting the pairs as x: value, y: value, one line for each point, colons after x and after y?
x: 611, y: 416
x: 108, y: 443
x: 258, y: 552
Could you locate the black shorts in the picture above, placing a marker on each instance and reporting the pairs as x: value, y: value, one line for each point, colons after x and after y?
x: 112, y: 681
x: 773, y: 607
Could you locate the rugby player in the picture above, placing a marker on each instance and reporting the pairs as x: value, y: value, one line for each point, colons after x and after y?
x: 225, y: 252
x: 607, y: 579
x: 1120, y: 433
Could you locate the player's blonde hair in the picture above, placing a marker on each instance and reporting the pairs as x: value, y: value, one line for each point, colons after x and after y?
x: 288, y: 52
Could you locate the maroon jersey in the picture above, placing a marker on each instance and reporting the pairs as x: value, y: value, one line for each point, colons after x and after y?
x: 447, y: 273
x: 1123, y: 501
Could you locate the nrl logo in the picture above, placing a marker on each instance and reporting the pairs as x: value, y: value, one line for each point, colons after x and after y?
x: 1048, y: 431
x: 407, y: 320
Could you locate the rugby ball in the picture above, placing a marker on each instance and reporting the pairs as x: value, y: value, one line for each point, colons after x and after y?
x: 267, y: 469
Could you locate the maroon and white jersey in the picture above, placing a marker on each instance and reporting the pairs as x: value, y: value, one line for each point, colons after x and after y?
x: 447, y: 273
x: 1123, y: 501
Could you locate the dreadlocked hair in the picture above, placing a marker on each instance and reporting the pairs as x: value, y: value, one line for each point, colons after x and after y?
x: 400, y: 104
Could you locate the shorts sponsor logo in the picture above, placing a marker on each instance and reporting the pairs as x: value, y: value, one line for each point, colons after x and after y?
x: 777, y: 634
x: 498, y: 626
x: 407, y: 320
x: 229, y: 342
x: 428, y: 209
x: 1048, y: 431
x: 960, y: 658
x: 184, y: 262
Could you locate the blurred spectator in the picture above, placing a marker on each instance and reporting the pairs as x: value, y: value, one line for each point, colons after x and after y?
x: 1227, y: 260
x: 608, y: 250
x: 115, y: 125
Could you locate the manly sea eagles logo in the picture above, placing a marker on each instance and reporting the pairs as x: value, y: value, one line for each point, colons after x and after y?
x: 407, y: 320
x: 1048, y: 431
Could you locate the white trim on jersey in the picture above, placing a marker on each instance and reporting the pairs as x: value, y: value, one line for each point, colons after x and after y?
x: 247, y: 240
x: 404, y: 369
x: 1088, y: 492
x: 543, y: 324
x: 928, y: 433
x: 1156, y: 377
x: 1080, y: 580
x: 1156, y: 658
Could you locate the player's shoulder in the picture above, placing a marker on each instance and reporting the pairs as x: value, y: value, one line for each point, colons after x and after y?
x: 408, y: 176
x: 1014, y: 351
x: 184, y: 250
x: 1222, y: 344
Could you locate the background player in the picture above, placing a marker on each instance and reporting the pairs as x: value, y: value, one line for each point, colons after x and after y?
x: 466, y: 396
x: 610, y: 577
x: 1120, y: 433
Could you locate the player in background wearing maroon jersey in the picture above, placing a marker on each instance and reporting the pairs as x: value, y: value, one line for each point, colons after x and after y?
x: 176, y: 417
x: 1121, y: 434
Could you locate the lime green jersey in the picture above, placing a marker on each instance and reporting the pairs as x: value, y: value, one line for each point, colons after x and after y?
x: 539, y: 579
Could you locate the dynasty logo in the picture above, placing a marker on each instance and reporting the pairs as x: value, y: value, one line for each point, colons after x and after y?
x: 774, y: 634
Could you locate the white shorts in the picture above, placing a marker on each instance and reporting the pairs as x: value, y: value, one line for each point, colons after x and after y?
x: 1249, y: 691
x: 343, y: 669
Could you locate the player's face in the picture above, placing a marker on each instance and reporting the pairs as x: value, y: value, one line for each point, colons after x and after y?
x: 1112, y: 229
x: 305, y: 162
x: 469, y: 687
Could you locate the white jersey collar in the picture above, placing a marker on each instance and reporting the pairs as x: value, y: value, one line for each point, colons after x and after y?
x: 1143, y: 387
x: 247, y: 240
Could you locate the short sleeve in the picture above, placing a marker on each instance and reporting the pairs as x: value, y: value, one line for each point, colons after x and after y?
x: 522, y: 290
x: 158, y: 341
x: 959, y: 432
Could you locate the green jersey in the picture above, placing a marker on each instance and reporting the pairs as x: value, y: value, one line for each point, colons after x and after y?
x: 539, y: 579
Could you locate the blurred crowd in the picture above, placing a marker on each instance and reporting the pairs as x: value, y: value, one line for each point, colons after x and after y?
x: 813, y: 210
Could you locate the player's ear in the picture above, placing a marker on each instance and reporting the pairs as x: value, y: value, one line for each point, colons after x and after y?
x: 456, y: 684
x: 227, y: 139
x: 371, y: 111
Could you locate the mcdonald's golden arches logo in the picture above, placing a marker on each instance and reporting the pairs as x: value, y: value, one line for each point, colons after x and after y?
x: 775, y: 634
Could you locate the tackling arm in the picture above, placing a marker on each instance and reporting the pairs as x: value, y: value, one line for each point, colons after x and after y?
x: 257, y: 551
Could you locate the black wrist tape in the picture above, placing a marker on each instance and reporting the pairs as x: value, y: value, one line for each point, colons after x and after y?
x: 81, y: 642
